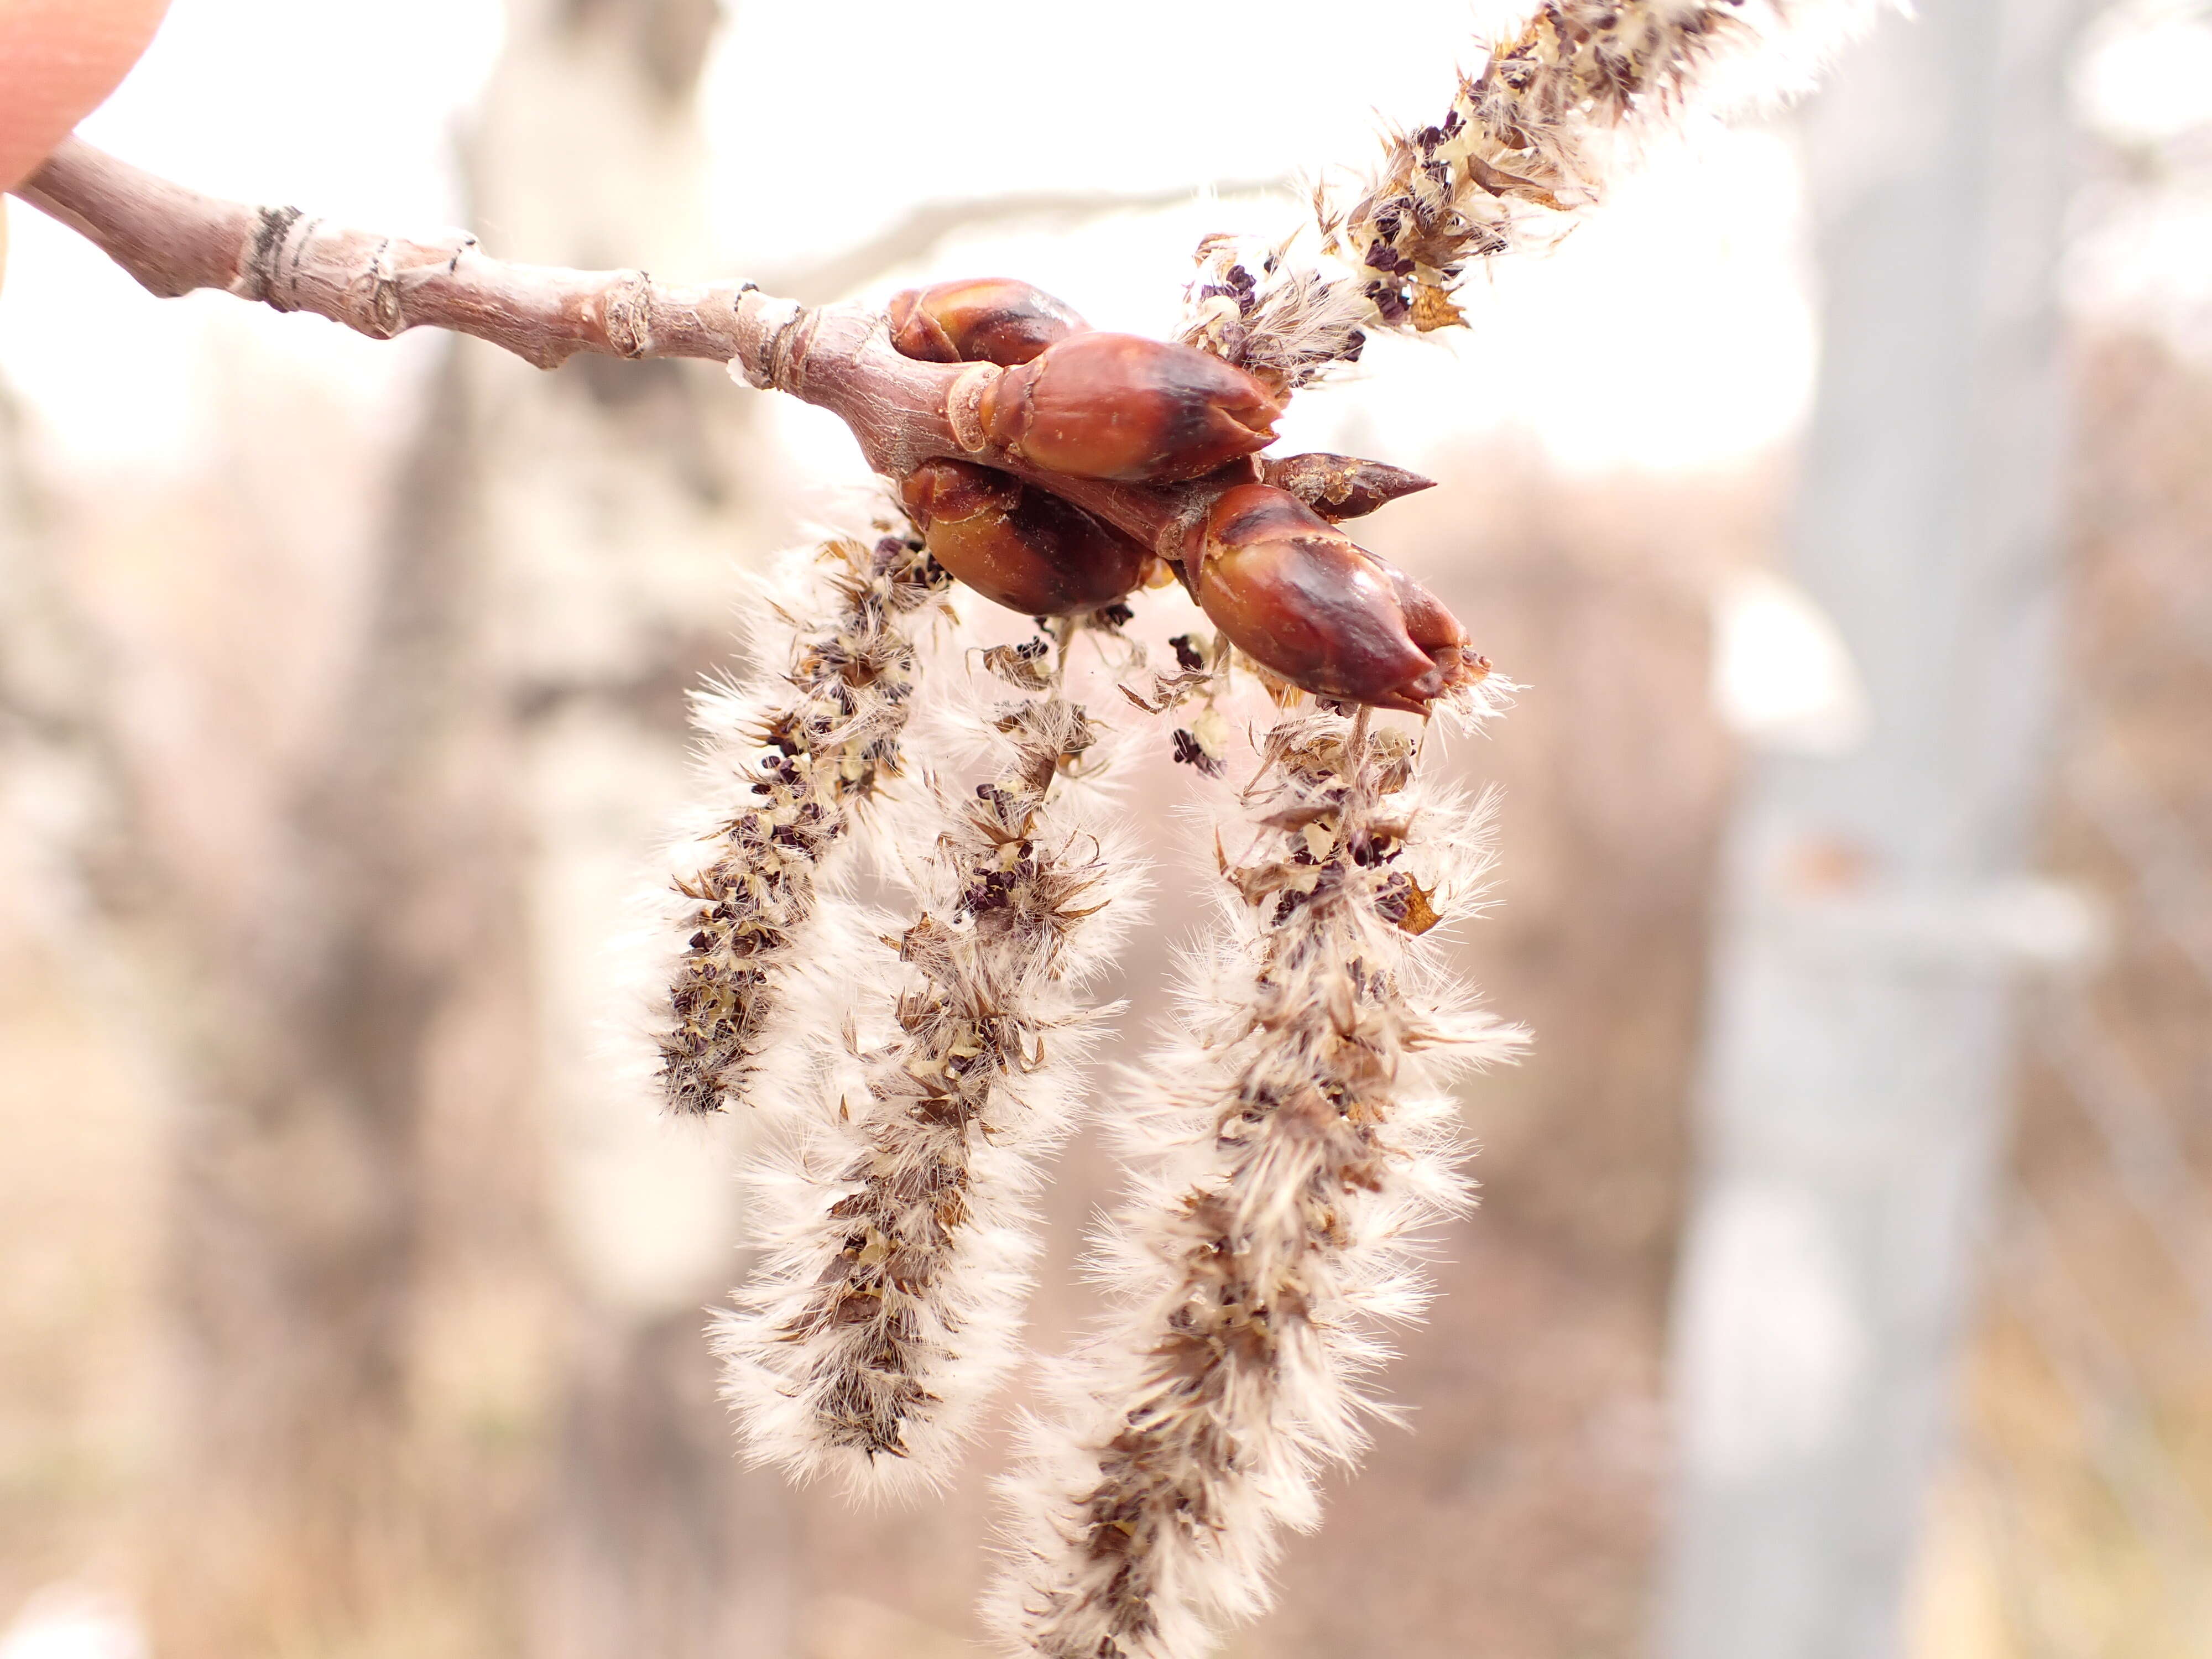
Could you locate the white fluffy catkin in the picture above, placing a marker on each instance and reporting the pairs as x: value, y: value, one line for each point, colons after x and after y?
x: 1292, y: 1146
x: 894, y: 1220
x: 1530, y: 143
x: 786, y: 758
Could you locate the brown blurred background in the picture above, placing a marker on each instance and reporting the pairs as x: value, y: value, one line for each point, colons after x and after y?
x: 350, y: 1299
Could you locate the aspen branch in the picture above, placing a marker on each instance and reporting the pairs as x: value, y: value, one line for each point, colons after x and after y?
x: 174, y: 240
x: 1311, y: 604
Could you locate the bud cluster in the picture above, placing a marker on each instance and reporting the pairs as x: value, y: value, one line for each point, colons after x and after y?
x: 1259, y: 549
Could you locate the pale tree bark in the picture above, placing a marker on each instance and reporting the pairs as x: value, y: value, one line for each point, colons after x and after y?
x: 328, y: 946
x: 901, y: 410
x: 344, y: 1016
x: 366, y: 993
x: 613, y: 497
x: 1857, y: 1049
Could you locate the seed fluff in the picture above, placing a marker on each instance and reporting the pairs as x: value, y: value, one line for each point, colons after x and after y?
x: 894, y: 1218
x: 1530, y: 143
x: 1291, y: 1146
x: 788, y: 760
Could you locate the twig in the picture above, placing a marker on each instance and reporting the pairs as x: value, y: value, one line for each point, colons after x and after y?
x: 174, y: 240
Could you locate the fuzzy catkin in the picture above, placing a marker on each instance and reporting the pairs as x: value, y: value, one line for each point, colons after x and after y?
x: 1285, y: 323
x: 1291, y: 1147
x: 789, y: 758
x: 895, y: 1231
x: 1529, y: 143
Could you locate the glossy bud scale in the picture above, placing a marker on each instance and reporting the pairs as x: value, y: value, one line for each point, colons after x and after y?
x: 1341, y: 486
x: 1300, y: 598
x: 1025, y: 549
x: 1122, y: 407
x: 986, y: 320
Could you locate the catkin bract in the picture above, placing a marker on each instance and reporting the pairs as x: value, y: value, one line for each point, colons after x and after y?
x: 1292, y: 1144
x: 893, y: 1207
x: 788, y: 760
x: 1532, y: 141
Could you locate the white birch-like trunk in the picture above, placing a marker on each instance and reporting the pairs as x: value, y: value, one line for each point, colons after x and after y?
x: 1855, y: 1072
x: 613, y: 508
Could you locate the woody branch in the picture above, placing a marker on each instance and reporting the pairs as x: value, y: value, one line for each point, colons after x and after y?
x: 172, y: 239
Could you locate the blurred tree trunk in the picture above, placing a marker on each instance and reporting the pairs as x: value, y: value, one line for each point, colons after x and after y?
x: 436, y: 1270
x: 352, y: 1034
x: 610, y: 494
x: 380, y: 1024
x: 1856, y: 1057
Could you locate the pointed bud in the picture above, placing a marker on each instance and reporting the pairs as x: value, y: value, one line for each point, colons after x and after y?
x: 1300, y: 598
x: 1118, y: 406
x: 1022, y: 548
x: 988, y: 320
x: 1342, y: 486
x: 1433, y: 628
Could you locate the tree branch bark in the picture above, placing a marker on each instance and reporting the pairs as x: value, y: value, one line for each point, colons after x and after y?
x: 172, y: 241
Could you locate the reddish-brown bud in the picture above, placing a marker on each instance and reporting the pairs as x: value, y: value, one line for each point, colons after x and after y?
x: 1026, y: 549
x: 983, y: 319
x: 1433, y: 628
x: 1300, y: 598
x: 1342, y: 486
x: 1119, y: 406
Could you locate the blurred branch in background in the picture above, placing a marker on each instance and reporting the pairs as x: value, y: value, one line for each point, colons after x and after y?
x: 919, y: 234
x: 1876, y: 915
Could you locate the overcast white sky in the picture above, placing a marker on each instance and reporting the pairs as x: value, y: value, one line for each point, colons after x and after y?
x: 821, y: 140
x: 1684, y: 299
